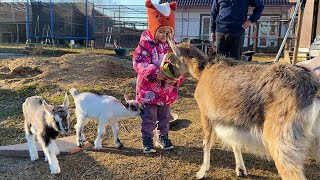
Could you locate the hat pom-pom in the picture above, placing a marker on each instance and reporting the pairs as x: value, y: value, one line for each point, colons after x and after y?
x: 173, y: 5
x: 148, y: 4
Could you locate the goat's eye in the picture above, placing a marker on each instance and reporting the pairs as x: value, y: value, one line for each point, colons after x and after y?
x: 157, y: 16
x: 168, y: 19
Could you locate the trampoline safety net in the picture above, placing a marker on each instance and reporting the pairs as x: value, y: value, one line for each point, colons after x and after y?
x: 60, y: 20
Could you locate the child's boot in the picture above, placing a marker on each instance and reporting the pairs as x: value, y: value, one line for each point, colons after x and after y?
x: 164, y: 142
x: 148, y: 145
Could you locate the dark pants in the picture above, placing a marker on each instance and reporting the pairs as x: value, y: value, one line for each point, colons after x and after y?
x: 230, y: 44
x: 151, y: 114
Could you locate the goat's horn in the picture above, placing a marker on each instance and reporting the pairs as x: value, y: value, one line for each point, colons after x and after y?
x: 173, y: 45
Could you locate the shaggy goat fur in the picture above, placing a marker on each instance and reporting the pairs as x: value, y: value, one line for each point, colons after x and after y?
x: 271, y: 109
x: 106, y: 109
x: 45, y: 121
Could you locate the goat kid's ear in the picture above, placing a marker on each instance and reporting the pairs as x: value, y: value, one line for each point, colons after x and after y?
x: 126, y: 98
x: 47, y: 108
x: 173, y: 46
x: 125, y: 104
x: 66, y: 101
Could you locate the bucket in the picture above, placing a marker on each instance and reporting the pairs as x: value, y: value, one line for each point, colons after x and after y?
x: 122, y: 51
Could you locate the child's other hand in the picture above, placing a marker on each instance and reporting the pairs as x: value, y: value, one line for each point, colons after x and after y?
x: 171, y: 82
x: 161, y: 76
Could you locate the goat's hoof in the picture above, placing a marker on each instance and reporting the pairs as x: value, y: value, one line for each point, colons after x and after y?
x: 34, y: 158
x: 80, y: 144
x: 97, y: 147
x: 242, y: 173
x: 55, y: 170
x: 200, y: 174
x: 120, y: 146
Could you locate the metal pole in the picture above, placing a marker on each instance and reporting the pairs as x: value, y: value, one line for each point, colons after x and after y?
x: 28, y: 22
x: 51, y: 22
x: 297, y: 7
x: 93, y: 23
x: 298, y: 34
x: 87, y: 26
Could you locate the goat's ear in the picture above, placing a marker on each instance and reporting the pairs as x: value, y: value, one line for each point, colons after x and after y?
x: 126, y: 98
x: 47, y: 107
x: 66, y: 101
x: 173, y: 46
x: 125, y: 104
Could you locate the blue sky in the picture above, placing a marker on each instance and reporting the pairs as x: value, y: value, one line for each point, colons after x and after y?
x: 99, y: 2
x: 124, y: 2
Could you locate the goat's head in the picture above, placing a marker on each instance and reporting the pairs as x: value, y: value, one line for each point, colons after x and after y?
x: 180, y: 56
x: 133, y: 106
x: 60, y: 114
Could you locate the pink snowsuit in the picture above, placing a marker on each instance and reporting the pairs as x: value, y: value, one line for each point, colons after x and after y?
x: 147, y: 58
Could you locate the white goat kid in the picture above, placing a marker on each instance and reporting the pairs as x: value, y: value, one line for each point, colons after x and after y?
x: 106, y: 109
x: 45, y: 121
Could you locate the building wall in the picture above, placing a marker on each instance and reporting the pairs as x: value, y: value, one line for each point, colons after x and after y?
x: 190, y: 23
x: 12, y: 33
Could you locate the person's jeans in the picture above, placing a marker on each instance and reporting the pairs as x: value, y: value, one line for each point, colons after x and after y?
x: 230, y: 44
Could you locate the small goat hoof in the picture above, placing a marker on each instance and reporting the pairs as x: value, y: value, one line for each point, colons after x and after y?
x: 120, y: 146
x: 241, y: 174
x: 81, y: 144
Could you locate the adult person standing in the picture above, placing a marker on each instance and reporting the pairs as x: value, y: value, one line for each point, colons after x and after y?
x: 228, y: 23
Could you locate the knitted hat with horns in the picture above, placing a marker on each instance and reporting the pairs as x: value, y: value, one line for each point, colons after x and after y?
x: 160, y: 15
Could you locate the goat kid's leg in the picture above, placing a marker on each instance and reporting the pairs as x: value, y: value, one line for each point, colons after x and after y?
x: 56, y: 149
x: 49, y: 151
x: 101, y: 132
x: 115, y: 131
x: 207, y: 145
x: 31, y: 140
x: 79, y: 129
x: 241, y: 170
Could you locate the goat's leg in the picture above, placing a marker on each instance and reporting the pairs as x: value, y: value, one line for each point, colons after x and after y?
x: 315, y: 149
x: 115, y: 131
x: 207, y: 145
x: 101, y: 132
x: 49, y: 151
x: 240, y: 167
x: 288, y: 152
x: 56, y: 149
x: 31, y: 140
x: 79, y: 129
x: 83, y: 136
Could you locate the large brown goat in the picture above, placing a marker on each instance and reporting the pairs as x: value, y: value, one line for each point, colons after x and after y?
x: 270, y: 109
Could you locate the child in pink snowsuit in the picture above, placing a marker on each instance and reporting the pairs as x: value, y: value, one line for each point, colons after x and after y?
x: 154, y: 90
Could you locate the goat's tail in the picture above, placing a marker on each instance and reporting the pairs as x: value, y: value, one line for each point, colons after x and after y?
x: 74, y: 92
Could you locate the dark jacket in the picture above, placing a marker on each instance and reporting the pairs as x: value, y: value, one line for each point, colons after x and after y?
x: 229, y: 15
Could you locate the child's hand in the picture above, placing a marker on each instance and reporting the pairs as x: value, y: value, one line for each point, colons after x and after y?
x: 161, y: 76
x: 171, y: 82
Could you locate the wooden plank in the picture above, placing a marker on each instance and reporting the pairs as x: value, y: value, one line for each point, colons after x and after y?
x: 66, y: 145
x: 307, y: 24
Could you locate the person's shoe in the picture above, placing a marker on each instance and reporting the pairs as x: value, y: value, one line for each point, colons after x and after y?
x: 164, y: 142
x: 148, y: 145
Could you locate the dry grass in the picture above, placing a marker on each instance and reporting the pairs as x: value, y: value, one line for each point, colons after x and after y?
x: 109, y: 75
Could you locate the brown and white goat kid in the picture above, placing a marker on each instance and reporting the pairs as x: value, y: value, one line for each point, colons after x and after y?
x: 271, y: 109
x: 106, y: 109
x: 45, y: 121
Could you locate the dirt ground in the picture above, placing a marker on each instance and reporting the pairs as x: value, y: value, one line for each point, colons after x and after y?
x: 51, y: 77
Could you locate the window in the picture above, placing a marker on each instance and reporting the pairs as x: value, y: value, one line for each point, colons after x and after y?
x: 268, y: 32
x: 205, y: 27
